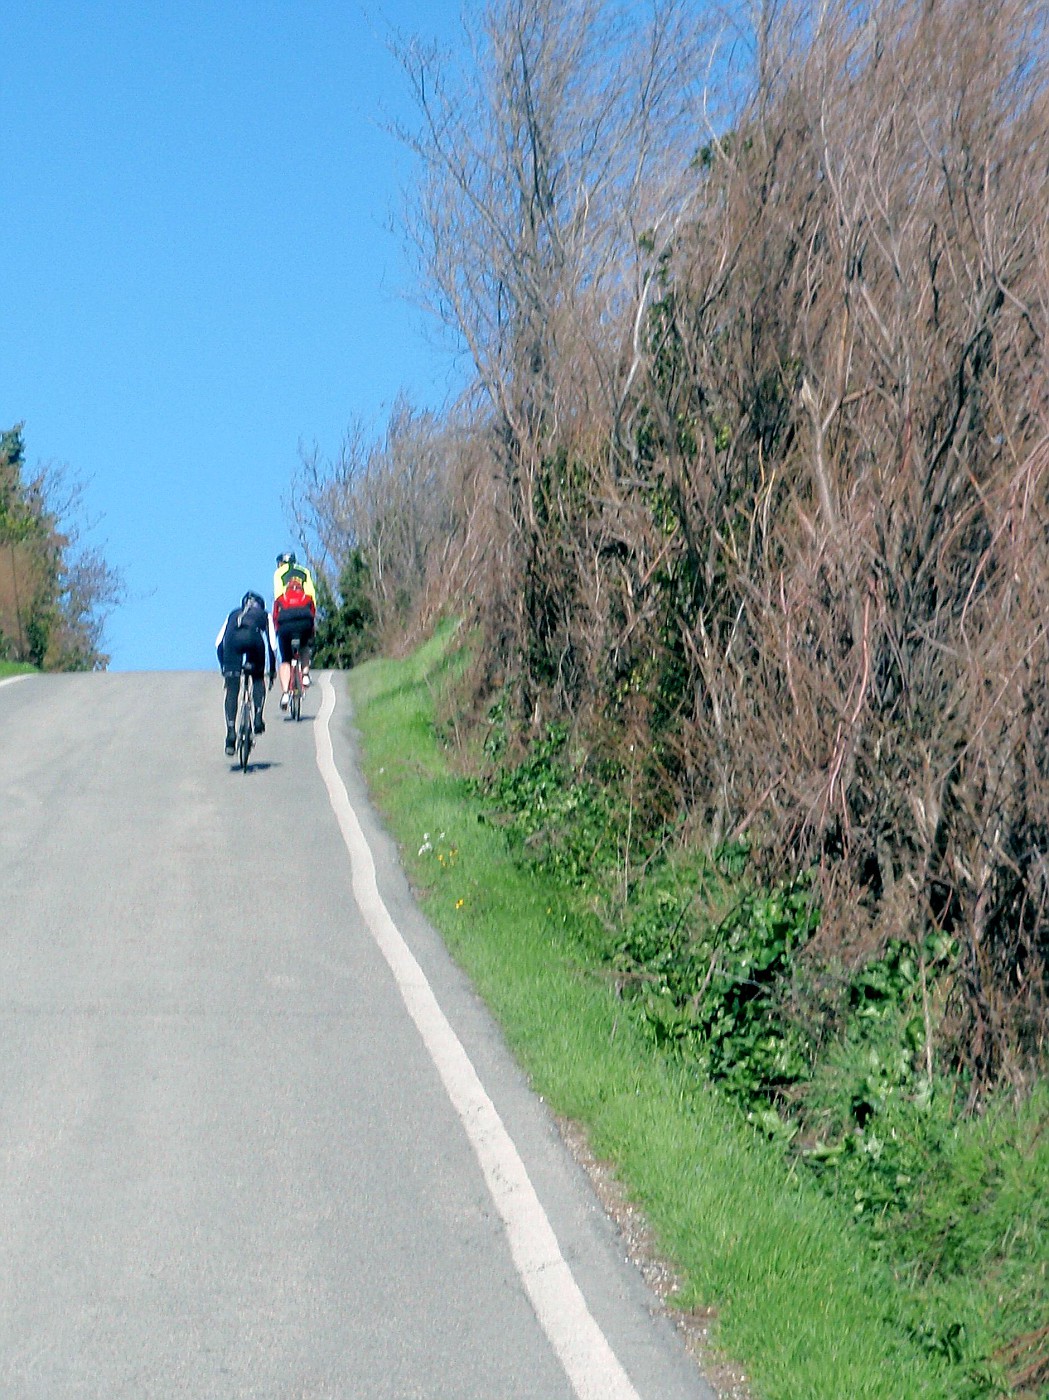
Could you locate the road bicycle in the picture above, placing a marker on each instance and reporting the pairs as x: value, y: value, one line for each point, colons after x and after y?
x: 245, y: 714
x: 295, y: 682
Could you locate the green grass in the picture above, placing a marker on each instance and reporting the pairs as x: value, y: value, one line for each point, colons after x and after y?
x: 808, y: 1312
x: 15, y: 668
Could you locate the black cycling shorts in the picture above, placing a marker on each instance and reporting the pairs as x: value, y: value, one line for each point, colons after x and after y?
x: 234, y: 646
x: 287, y: 634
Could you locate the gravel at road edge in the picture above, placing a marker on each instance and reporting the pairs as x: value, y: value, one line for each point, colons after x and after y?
x: 725, y: 1377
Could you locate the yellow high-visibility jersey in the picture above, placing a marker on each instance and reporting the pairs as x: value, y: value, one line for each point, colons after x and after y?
x: 289, y: 571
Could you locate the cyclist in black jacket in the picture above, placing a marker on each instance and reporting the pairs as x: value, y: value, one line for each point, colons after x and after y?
x: 245, y: 632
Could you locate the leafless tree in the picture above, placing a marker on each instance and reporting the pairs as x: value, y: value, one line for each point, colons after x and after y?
x: 554, y: 172
x: 388, y: 497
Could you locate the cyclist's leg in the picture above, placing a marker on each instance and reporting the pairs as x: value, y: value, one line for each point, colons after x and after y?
x: 231, y: 682
x: 257, y: 660
x: 231, y: 688
x: 284, y: 648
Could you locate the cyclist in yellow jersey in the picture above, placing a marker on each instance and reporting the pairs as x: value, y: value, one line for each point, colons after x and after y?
x: 288, y: 568
x: 289, y: 572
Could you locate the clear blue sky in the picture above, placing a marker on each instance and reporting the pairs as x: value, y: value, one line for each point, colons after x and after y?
x: 197, y: 273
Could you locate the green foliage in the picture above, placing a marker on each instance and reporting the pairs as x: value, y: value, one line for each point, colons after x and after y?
x: 345, y: 618
x: 53, y: 595
x: 38, y: 628
x: 31, y: 565
x: 713, y: 989
x: 870, y: 1098
x: 833, y: 1070
x: 23, y: 516
x: 955, y: 1205
x: 555, y: 816
x: 15, y: 517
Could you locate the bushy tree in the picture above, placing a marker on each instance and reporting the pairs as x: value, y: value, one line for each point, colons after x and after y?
x: 54, y: 593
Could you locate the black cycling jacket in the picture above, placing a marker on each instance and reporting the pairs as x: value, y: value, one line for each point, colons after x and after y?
x: 245, y: 630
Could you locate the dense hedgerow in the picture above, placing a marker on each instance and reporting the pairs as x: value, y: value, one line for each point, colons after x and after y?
x: 838, y: 1066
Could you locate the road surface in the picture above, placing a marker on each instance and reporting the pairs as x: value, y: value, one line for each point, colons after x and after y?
x: 258, y: 1138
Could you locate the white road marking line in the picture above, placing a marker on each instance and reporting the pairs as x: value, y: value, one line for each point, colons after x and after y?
x: 582, y: 1348
x: 10, y: 680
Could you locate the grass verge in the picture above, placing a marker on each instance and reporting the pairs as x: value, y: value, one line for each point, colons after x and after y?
x: 807, y: 1312
x: 14, y: 668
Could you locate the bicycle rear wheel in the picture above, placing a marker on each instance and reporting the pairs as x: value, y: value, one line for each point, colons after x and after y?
x: 245, y: 726
x: 295, y: 681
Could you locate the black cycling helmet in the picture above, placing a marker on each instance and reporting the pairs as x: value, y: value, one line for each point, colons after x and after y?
x: 251, y: 597
x: 286, y: 559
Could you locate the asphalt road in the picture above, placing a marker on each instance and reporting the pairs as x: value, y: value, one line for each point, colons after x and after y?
x: 257, y: 1135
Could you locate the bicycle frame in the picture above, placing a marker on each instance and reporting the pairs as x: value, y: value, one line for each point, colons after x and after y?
x: 245, y: 714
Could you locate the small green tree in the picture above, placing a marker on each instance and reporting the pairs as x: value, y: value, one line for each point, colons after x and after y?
x: 346, y: 616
